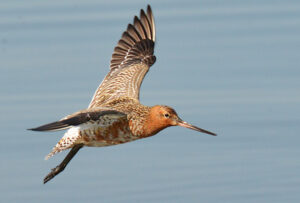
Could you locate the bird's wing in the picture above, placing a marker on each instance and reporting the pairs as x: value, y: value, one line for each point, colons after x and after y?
x: 78, y: 118
x: 130, y: 61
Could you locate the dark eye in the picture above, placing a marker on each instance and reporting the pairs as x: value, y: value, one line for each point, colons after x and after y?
x: 167, y: 115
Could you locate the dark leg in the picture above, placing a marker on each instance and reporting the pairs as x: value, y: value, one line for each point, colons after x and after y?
x: 63, y: 164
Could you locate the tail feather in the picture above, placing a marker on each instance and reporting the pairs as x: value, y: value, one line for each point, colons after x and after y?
x: 54, y: 151
x: 66, y: 142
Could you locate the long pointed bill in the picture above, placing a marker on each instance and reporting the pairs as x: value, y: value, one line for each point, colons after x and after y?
x: 187, y: 125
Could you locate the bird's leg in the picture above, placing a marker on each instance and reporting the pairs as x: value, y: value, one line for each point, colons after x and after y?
x: 63, y: 164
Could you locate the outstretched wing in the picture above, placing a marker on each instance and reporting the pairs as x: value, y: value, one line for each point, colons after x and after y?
x: 77, y: 119
x: 130, y: 61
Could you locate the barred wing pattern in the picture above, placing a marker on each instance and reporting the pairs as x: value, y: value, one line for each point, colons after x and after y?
x: 131, y: 60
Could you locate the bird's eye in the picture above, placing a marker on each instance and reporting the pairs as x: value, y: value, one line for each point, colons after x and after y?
x: 167, y: 115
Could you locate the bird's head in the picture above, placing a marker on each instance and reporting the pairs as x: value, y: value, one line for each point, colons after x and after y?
x: 161, y: 117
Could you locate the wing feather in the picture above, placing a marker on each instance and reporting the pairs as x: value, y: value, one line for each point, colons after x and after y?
x: 131, y: 60
x: 76, y: 119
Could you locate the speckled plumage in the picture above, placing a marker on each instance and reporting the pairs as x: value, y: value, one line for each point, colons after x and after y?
x: 108, y: 129
x: 131, y: 60
x: 115, y: 115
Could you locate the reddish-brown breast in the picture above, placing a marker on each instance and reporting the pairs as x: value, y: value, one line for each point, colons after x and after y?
x: 115, y: 132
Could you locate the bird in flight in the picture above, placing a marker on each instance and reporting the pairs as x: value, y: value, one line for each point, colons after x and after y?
x: 115, y: 115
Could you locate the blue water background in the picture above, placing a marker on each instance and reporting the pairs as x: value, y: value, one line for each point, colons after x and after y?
x: 231, y: 67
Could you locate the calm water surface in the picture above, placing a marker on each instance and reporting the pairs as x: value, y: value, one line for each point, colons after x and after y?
x: 231, y: 67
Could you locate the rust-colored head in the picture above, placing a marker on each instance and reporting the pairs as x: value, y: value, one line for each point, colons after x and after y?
x: 161, y: 117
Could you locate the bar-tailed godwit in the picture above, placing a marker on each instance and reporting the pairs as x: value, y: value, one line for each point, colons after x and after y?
x: 115, y: 115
